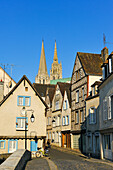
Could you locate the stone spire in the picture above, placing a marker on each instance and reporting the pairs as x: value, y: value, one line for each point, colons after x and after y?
x: 42, y: 66
x: 42, y: 77
x: 55, y: 59
x: 56, y: 68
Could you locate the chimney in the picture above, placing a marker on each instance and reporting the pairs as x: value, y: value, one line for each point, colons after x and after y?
x: 1, y: 90
x: 104, y: 54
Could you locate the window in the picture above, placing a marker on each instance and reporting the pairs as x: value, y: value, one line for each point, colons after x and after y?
x: 63, y: 120
x: 105, y: 113
x: 103, y: 73
x: 107, y: 144
x: 57, y: 105
x: 82, y: 115
x: 20, y: 123
x: 20, y: 101
x: 65, y: 106
x: 43, y: 81
x: 27, y: 99
x: 54, y: 121
x: 12, y: 145
x: 23, y: 100
x: 26, y: 88
x: 49, y: 135
x: 2, y: 144
x: 67, y: 120
x: 83, y: 93
x: 110, y: 65
x: 110, y: 110
x: 77, y: 96
x: 92, y: 115
x: 77, y: 117
x: 58, y: 120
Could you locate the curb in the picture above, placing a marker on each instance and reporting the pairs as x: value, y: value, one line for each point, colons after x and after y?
x: 52, y: 165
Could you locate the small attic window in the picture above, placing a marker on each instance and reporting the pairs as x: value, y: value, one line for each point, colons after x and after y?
x: 26, y: 88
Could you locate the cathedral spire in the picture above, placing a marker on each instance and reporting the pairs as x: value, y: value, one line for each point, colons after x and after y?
x: 55, y: 59
x: 42, y: 77
x: 42, y: 65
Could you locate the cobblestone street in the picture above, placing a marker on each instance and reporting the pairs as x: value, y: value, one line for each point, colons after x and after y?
x: 64, y: 160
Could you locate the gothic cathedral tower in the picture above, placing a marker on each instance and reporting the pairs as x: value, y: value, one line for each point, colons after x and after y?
x: 42, y: 77
x: 56, y: 70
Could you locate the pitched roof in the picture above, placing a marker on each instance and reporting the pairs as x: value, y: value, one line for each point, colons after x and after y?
x: 41, y: 88
x: 91, y: 63
x: 63, y: 87
x: 51, y: 92
x: 14, y: 88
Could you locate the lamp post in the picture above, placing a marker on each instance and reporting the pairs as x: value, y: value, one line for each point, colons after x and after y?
x: 32, y: 118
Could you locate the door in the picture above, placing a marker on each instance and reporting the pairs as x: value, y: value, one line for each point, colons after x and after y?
x: 33, y: 145
x: 12, y: 146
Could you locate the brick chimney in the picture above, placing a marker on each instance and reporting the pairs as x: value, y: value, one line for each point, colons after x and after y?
x: 104, y: 54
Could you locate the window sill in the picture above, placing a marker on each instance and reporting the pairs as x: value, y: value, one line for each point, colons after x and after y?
x: 65, y: 125
x: 92, y: 123
x: 21, y: 129
x: 76, y: 123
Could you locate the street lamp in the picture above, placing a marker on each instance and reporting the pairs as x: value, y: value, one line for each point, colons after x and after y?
x: 32, y: 118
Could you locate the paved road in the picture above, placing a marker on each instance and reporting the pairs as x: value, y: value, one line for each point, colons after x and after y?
x: 66, y: 161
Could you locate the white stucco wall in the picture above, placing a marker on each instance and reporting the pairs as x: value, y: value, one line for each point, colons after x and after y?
x: 9, y: 111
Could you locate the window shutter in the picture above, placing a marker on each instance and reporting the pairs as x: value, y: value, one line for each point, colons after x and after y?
x: 109, y: 109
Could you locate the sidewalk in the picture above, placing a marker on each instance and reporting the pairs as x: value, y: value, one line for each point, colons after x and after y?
x: 72, y: 151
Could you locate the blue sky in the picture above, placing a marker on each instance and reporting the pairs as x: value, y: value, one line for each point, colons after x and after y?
x: 75, y: 25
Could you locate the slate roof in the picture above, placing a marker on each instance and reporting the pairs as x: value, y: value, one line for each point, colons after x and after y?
x: 91, y: 63
x: 51, y: 92
x: 41, y: 88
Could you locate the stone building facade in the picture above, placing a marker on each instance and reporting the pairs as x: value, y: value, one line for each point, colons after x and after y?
x: 92, y: 122
x: 87, y: 70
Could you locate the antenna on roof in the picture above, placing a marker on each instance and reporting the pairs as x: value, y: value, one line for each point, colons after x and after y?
x: 104, y: 39
x: 4, y: 67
